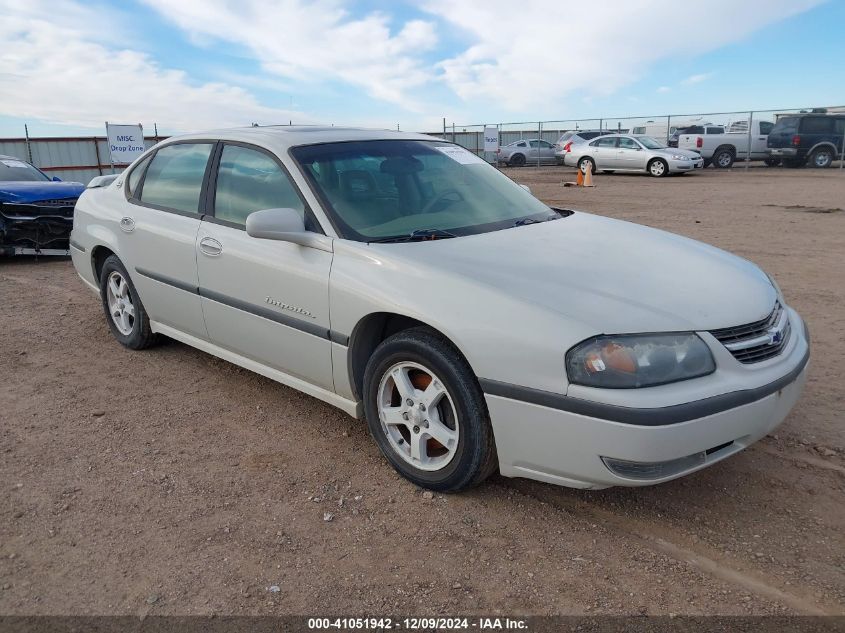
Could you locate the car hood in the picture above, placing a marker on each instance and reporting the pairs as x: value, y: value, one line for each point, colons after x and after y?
x: 24, y: 192
x: 673, y: 151
x: 609, y: 275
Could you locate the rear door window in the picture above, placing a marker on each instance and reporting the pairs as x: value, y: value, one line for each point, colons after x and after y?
x: 817, y: 124
x: 604, y: 142
x: 175, y: 176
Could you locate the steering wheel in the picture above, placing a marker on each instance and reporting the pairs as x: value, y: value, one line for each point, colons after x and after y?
x: 442, y: 196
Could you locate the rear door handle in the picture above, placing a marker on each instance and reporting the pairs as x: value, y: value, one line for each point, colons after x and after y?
x: 127, y: 224
x: 210, y: 246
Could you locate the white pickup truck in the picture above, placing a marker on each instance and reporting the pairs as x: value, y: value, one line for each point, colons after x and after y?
x: 723, y: 148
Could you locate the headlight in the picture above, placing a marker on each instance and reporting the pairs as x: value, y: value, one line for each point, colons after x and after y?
x: 638, y: 360
x: 680, y: 157
x: 776, y: 287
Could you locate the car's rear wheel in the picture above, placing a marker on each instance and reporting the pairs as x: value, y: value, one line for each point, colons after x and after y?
x: 822, y: 158
x: 427, y: 413
x: 125, y: 314
x: 658, y: 167
x: 723, y: 158
x: 587, y: 163
x: 517, y: 160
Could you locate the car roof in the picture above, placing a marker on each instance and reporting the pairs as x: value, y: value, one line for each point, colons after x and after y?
x: 282, y: 137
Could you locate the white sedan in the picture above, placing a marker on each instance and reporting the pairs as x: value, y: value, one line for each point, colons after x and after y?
x: 407, y: 282
x: 630, y: 153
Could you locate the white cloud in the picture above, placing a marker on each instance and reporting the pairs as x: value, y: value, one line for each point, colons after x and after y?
x: 664, y: 89
x: 315, y: 41
x: 531, y: 54
x: 696, y: 79
x: 54, y: 69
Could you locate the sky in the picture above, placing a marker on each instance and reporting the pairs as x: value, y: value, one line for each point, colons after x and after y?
x: 67, y: 66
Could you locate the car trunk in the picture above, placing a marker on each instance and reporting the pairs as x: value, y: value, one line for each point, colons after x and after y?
x: 782, y: 133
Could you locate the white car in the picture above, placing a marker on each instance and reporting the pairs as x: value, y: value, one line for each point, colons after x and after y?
x: 407, y: 282
x: 632, y: 153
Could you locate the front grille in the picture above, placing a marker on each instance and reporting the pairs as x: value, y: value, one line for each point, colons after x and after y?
x: 758, y: 341
x: 63, y: 202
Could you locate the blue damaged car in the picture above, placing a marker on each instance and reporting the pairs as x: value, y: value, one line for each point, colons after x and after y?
x: 36, y: 212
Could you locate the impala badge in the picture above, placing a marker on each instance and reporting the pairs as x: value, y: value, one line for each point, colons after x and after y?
x: 290, y: 308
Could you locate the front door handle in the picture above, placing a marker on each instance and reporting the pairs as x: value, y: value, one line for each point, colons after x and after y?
x: 210, y: 246
x: 127, y: 224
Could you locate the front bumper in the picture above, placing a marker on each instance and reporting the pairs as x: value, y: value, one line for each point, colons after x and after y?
x: 35, y: 228
x: 539, y: 440
x: 685, y: 165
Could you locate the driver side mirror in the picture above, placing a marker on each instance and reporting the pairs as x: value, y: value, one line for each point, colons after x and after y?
x: 56, y: 179
x: 285, y: 225
x: 526, y: 187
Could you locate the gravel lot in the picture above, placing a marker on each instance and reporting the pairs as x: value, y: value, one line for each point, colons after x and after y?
x: 169, y: 482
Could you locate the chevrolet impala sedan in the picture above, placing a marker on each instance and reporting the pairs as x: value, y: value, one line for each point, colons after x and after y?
x: 410, y: 284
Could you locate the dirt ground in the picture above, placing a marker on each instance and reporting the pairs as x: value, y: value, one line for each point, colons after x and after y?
x: 169, y: 482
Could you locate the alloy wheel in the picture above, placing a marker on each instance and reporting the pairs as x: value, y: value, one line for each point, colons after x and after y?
x: 121, y: 308
x: 418, y: 416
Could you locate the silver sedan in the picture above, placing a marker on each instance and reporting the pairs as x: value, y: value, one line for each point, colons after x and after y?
x: 526, y: 152
x: 628, y: 152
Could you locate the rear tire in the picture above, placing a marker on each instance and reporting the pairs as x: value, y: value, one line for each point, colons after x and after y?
x: 517, y: 160
x: 723, y: 158
x: 822, y: 158
x: 408, y: 369
x: 586, y: 162
x: 658, y: 168
x: 125, y: 314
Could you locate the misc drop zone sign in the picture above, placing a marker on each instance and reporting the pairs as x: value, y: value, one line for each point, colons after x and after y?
x: 126, y: 142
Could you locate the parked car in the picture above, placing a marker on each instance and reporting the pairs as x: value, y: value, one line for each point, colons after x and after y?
x: 797, y: 138
x: 627, y: 152
x: 722, y: 148
x: 406, y: 281
x: 36, y: 211
x: 525, y: 152
x: 574, y: 137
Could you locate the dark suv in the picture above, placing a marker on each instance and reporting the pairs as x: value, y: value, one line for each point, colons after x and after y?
x: 817, y: 137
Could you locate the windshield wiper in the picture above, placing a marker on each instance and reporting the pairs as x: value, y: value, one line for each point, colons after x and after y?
x: 524, y: 221
x: 415, y: 236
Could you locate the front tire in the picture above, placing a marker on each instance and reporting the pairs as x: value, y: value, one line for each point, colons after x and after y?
x: 658, y: 168
x: 125, y: 314
x: 426, y: 412
x: 822, y: 158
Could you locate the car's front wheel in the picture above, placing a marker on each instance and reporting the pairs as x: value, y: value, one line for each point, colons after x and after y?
x: 125, y: 314
x: 658, y: 167
x: 822, y: 158
x: 587, y: 163
x: 427, y: 413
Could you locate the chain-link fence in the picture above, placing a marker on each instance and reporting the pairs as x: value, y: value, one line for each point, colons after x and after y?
x: 746, y: 131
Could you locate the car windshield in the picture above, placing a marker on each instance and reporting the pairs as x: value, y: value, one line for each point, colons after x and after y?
x: 650, y: 143
x: 378, y: 190
x: 14, y: 170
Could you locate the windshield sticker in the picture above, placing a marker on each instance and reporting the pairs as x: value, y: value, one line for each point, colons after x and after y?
x: 14, y: 163
x: 459, y: 154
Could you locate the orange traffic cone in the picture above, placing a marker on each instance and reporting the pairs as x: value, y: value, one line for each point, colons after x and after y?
x: 579, y: 180
x: 588, y: 176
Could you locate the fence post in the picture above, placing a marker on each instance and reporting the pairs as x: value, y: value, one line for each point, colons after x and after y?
x: 444, y: 128
x: 453, y: 131
x: 539, y: 139
x: 842, y: 157
x: 748, y: 155
x: 668, y: 128
x: 28, y: 146
x: 97, y: 154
